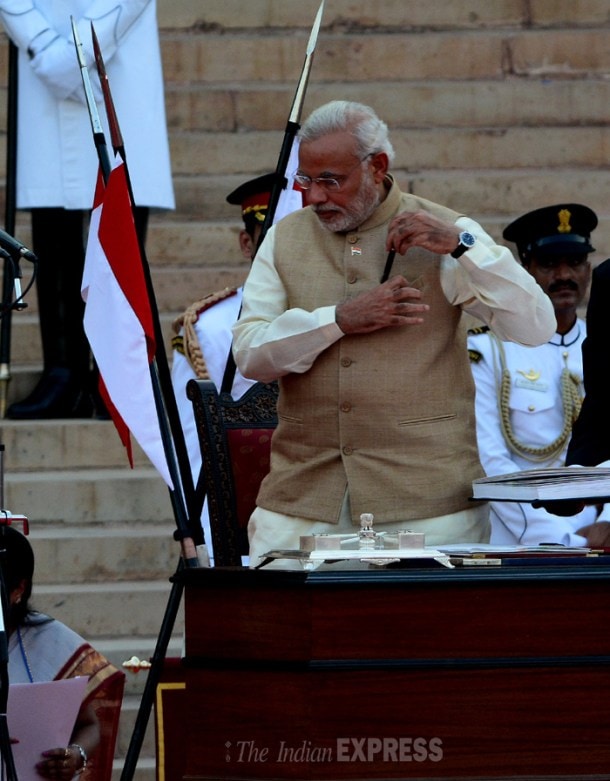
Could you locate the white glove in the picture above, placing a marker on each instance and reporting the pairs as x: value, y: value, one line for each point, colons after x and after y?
x: 57, y: 66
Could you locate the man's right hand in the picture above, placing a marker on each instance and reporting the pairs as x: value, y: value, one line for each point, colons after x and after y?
x: 391, y: 304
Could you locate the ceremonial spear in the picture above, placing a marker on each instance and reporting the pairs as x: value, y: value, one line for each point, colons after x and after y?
x: 279, y: 182
x: 292, y: 126
x: 182, y: 478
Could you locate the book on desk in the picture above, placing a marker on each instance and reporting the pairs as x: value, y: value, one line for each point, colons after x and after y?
x: 590, y: 484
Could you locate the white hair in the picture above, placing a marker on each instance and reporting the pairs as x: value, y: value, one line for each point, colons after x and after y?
x: 370, y: 132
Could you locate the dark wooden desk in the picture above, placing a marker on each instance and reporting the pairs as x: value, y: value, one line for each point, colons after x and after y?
x: 486, y: 673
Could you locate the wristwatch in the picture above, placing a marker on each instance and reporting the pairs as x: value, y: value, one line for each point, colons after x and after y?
x: 466, y: 242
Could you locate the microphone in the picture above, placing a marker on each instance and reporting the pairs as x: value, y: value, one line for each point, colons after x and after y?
x: 16, y: 248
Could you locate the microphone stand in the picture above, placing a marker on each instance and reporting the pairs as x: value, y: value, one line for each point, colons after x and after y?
x: 9, y: 222
x: 5, y: 740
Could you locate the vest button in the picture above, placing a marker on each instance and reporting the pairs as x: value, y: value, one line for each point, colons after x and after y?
x: 346, y: 361
x: 352, y: 277
x: 352, y: 238
x: 346, y: 407
x: 348, y: 450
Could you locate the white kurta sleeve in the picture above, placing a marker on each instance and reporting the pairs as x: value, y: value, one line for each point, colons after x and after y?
x: 490, y: 284
x: 269, y: 340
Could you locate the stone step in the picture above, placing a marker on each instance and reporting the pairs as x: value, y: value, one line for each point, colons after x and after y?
x: 361, y: 14
x: 129, y: 609
x: 378, y: 55
x: 103, y: 552
x: 65, y: 444
x: 129, y: 714
x: 25, y: 336
x: 423, y: 147
x: 90, y: 495
x: 145, y: 770
x: 242, y: 109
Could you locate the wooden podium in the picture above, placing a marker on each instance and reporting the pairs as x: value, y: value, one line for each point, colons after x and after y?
x: 413, y: 673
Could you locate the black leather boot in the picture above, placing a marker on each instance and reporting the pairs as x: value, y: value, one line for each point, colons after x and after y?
x: 58, y: 394
x: 64, y: 390
x: 68, y: 386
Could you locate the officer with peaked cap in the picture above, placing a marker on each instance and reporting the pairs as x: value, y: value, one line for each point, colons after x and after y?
x: 564, y: 229
x: 203, y: 332
x: 202, y: 345
x: 527, y: 398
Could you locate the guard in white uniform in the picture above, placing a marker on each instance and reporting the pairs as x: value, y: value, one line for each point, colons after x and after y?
x: 57, y: 163
x: 202, y: 345
x: 527, y: 398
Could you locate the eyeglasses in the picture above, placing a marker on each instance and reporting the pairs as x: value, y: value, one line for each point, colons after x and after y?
x: 329, y: 183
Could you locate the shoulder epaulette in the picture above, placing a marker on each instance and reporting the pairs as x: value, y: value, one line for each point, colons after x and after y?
x: 474, y: 355
x: 191, y: 313
x: 480, y: 329
x: 187, y: 343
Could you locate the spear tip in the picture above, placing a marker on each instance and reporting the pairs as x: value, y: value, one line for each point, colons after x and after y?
x: 99, y: 60
x: 113, y: 122
x: 313, y: 37
x: 78, y: 45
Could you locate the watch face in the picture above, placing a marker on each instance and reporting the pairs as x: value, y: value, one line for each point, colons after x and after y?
x: 467, y: 238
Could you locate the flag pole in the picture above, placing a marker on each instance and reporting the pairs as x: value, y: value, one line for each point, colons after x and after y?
x: 184, y: 531
x: 163, y: 375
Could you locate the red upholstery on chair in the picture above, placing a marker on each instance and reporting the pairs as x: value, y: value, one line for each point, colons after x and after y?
x: 249, y: 453
x: 235, y: 439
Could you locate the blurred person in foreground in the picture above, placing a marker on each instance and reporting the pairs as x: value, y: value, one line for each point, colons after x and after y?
x: 590, y: 441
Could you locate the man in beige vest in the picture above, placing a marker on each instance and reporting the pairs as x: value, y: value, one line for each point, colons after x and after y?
x: 376, y: 407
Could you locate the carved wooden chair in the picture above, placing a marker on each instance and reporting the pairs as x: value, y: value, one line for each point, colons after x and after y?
x: 235, y: 440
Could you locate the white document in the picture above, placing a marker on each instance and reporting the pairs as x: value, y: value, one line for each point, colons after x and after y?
x: 41, y: 716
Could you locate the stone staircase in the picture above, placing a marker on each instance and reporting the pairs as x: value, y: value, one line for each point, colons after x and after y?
x: 494, y: 108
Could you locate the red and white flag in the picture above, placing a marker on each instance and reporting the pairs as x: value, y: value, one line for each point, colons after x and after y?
x: 118, y: 319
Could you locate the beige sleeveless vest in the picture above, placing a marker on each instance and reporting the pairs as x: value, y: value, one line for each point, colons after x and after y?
x: 388, y: 414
